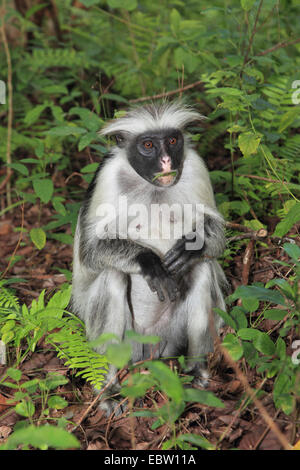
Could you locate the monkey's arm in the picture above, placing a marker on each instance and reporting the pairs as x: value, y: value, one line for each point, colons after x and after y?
x: 187, y: 250
x: 130, y: 258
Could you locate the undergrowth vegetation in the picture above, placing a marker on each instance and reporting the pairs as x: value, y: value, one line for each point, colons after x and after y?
x: 66, y: 67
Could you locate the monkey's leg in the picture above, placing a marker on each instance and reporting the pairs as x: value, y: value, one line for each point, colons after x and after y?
x: 204, y: 294
x: 107, y: 312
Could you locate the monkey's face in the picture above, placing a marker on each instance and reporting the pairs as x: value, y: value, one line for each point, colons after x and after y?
x: 157, y: 156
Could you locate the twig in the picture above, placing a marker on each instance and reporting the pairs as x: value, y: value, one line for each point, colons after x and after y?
x: 91, y: 405
x: 252, y: 395
x: 235, y: 226
x: 261, y: 438
x: 10, y: 101
x: 17, y: 245
x: 6, y: 179
x: 247, y: 262
x: 168, y: 93
x: 263, y: 178
x: 75, y: 173
x: 135, y: 53
x: 252, y: 36
x: 278, y: 46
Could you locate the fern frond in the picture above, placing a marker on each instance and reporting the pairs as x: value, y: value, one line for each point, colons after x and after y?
x: 8, y: 301
x: 46, y: 58
x: 73, y: 348
x: 291, y: 149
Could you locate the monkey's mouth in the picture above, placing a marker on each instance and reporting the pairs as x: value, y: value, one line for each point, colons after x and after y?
x: 165, y: 178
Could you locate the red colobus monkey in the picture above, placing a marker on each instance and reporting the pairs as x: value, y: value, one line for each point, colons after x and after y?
x: 142, y: 273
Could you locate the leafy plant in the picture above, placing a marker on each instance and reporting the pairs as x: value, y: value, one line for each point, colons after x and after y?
x: 260, y: 349
x: 29, y: 325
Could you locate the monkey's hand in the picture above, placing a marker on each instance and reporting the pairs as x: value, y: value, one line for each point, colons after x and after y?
x: 182, y: 256
x: 157, y: 277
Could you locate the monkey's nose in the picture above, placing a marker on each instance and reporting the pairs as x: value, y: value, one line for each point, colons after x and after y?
x: 166, y: 160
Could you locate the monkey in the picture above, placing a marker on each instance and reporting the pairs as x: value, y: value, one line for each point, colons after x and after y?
x: 138, y: 276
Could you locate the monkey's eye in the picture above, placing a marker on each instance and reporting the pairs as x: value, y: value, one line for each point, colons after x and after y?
x: 148, y: 144
x: 172, y: 140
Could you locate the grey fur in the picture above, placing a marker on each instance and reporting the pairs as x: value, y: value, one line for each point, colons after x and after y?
x: 109, y: 291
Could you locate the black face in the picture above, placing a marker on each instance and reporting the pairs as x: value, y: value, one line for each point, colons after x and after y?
x: 156, y: 152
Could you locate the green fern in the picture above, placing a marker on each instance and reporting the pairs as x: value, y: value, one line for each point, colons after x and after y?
x: 291, y: 149
x: 46, y: 58
x: 73, y: 348
x: 31, y: 324
x: 8, y: 301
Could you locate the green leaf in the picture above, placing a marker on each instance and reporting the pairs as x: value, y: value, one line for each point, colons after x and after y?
x: 233, y: 346
x: 57, y: 203
x: 43, y: 189
x: 168, y: 380
x: 25, y: 408
x: 114, y: 97
x: 247, y: 4
x: 143, y: 339
x: 196, y: 440
x: 292, y: 250
x: 38, y: 237
x: 225, y: 91
x: 15, y: 374
x: 19, y: 167
x: 275, y: 314
x: 248, y: 143
x: 288, y: 119
x: 60, y: 299
x: 261, y: 341
x: 260, y: 293
x: 249, y: 334
x: 226, y: 317
x: 250, y: 304
x: 128, y: 5
x: 119, y: 354
x: 137, y: 385
x: 64, y: 131
x: 264, y: 344
x: 284, y: 286
x: 175, y: 20
x: 202, y: 396
x: 57, y: 402
x: 42, y: 437
x: 292, y: 217
x: 33, y: 114
x: 280, y: 348
x: 86, y: 139
x: 239, y: 317
x: 62, y: 237
x: 282, y: 393
x: 52, y: 381
x: 90, y: 168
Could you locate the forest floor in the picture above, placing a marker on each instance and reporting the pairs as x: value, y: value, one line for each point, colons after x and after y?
x: 238, y: 425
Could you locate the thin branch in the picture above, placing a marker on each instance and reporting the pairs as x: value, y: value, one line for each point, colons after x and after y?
x: 248, y: 390
x: 10, y: 100
x: 263, y: 178
x: 278, y: 46
x: 254, y: 29
x: 247, y: 259
x: 17, y: 245
x: 135, y: 53
x: 168, y: 93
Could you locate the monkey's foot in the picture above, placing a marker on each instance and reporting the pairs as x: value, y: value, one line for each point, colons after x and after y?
x: 113, y: 406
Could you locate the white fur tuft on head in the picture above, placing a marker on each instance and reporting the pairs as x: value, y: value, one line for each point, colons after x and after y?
x: 173, y: 115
